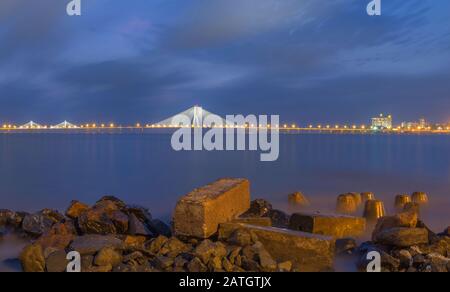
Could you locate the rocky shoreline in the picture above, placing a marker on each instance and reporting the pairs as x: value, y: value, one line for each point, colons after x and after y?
x: 217, y: 228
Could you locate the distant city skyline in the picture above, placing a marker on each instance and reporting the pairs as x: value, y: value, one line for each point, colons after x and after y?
x: 307, y: 61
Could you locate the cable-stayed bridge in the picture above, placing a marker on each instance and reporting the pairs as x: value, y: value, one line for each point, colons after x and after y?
x: 196, y: 115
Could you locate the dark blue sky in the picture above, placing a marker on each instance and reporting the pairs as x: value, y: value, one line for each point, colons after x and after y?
x: 143, y: 60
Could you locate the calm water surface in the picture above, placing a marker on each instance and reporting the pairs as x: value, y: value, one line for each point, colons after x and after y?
x: 49, y: 170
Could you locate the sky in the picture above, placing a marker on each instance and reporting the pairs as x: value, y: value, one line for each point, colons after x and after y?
x: 144, y: 60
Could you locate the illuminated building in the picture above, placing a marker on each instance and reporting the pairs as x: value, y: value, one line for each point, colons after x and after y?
x: 382, y: 122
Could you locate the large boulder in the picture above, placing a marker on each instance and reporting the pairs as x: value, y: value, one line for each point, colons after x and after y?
x: 338, y: 226
x: 91, y: 244
x: 405, y: 219
x: 199, y: 213
x: 32, y: 259
x: 307, y: 252
x: 111, y: 199
x: 41, y: 222
x: 58, y: 237
x: 105, y: 217
x: 136, y: 227
x: 75, y: 209
x: 142, y: 213
x: 402, y: 237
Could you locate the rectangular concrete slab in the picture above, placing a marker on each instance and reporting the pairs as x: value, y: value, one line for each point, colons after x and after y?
x: 338, y: 226
x: 307, y: 252
x: 199, y: 213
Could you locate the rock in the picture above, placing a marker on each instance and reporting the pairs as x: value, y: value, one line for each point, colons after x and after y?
x: 241, y: 238
x: 157, y: 227
x: 308, y: 252
x: 285, y: 266
x: 268, y: 264
x: 215, y: 264
x: 402, y: 237
x: 298, y: 199
x: 75, y: 209
x: 208, y: 249
x: 106, y: 217
x: 108, y: 256
x: 173, y: 247
x: 405, y: 219
x: 32, y: 259
x: 163, y: 263
x: 233, y: 254
x: 405, y: 257
x: 414, y: 250
x: 432, y: 237
x: 438, y: 263
x: 258, y: 208
x: 250, y: 252
x: 137, y: 227
x: 419, y: 260
x: 258, y: 221
x: 86, y: 262
x: 250, y: 265
x: 346, y: 204
x: 91, y: 244
x: 279, y: 218
x: 56, y: 262
x: 134, y: 242
x: 40, y: 223
x: 331, y: 225
x: 197, y: 266
x: 142, y: 213
x: 156, y: 244
x: 227, y: 265
x: 180, y: 262
x: 97, y: 221
x: 58, y: 237
x: 346, y: 246
x: 199, y: 213
x: 136, y: 257
x: 120, y: 221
